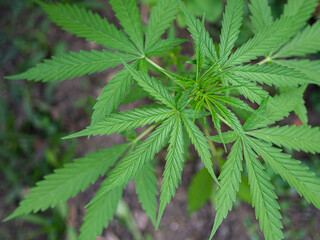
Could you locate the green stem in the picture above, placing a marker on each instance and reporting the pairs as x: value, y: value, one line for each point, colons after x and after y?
x: 158, y: 67
x: 143, y: 134
x: 268, y: 59
x: 161, y: 69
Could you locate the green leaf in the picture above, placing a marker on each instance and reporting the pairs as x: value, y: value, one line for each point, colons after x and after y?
x: 146, y: 188
x: 128, y: 14
x: 200, y: 190
x: 262, y: 43
x: 306, y: 42
x: 163, y: 46
x: 174, y: 165
x: 260, y: 14
x: 244, y: 190
x: 74, y: 64
x: 132, y: 164
x: 276, y: 75
x: 200, y: 143
x: 112, y: 94
x: 88, y: 25
x: 302, y: 112
x: 248, y: 89
x: 230, y: 117
x: 233, y: 101
x: 301, y: 10
x: 263, y: 196
x: 66, y: 182
x: 136, y: 93
x: 197, y: 30
x: 161, y: 17
x: 228, y: 137
x: 291, y: 170
x: 100, y: 214
x: 190, y: 113
x: 275, y: 109
x: 309, y: 68
x: 230, y: 178
x: 124, y: 121
x: 216, y: 121
x: 299, y: 138
x: 231, y: 23
x: 152, y: 86
x: 201, y: 54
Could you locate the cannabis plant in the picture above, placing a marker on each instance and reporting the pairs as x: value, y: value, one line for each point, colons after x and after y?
x: 186, y: 104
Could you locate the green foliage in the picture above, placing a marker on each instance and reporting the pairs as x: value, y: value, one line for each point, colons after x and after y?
x: 98, y: 215
x: 260, y: 14
x: 161, y: 17
x: 174, y: 166
x: 207, y: 91
x: 111, y: 95
x: 128, y: 14
x: 69, y: 180
x: 263, y: 196
x: 74, y: 64
x: 200, y: 190
x: 232, y: 20
x: 304, y: 43
x: 88, y: 25
x: 230, y: 178
x: 146, y: 188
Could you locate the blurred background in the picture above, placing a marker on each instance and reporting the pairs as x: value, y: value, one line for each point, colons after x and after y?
x: 34, y: 116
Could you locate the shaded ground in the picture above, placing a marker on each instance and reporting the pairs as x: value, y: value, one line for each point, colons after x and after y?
x: 176, y: 224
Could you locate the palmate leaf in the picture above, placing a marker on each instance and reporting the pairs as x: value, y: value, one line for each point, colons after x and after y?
x: 128, y: 14
x: 309, y: 68
x: 74, y: 64
x: 260, y: 14
x: 161, y: 17
x: 275, y: 109
x: 248, y: 89
x: 152, y: 86
x: 146, y: 188
x: 100, y: 214
x: 216, y: 121
x: 230, y: 178
x: 230, y: 117
x: 200, y: 54
x: 197, y: 30
x: 132, y: 164
x: 306, y: 42
x: 301, y: 10
x: 66, y: 182
x: 163, y: 46
x: 174, y: 165
x: 231, y: 23
x: 228, y: 137
x: 291, y: 170
x: 276, y: 75
x: 263, y: 196
x: 264, y: 41
x: 112, y: 94
x: 299, y: 138
x: 88, y: 25
x: 124, y: 121
x: 201, y: 145
x: 233, y: 101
